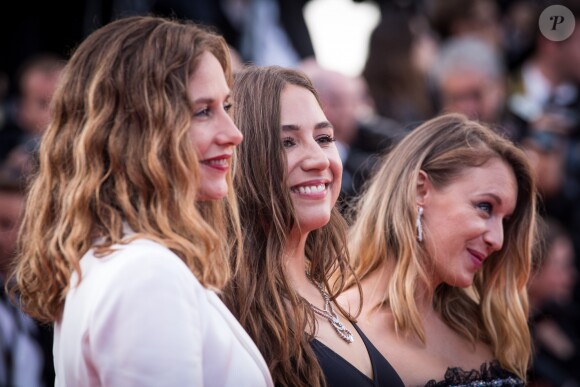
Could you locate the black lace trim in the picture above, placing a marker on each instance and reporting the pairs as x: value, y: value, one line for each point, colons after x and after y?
x: 489, y: 374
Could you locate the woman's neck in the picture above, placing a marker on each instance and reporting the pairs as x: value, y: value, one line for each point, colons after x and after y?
x: 376, y: 288
x: 295, y: 260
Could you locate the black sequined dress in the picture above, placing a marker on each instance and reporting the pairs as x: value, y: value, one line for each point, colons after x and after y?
x: 489, y: 374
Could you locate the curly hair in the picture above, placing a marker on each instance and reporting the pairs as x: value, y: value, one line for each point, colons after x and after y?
x: 117, y: 152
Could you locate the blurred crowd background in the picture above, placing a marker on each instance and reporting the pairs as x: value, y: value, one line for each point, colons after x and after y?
x: 484, y: 58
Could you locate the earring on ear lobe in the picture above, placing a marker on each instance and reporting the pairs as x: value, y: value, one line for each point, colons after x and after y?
x: 420, y: 225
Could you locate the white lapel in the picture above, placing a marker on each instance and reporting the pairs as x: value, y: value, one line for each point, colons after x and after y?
x: 240, y: 334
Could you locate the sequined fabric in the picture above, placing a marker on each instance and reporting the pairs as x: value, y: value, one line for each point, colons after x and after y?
x: 489, y: 374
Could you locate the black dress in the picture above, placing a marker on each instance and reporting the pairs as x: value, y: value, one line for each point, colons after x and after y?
x: 340, y: 373
x: 490, y: 374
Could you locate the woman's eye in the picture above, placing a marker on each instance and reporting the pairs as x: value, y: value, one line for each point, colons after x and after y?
x: 227, y: 106
x: 202, y: 112
x: 486, y: 207
x: 288, y: 142
x: 326, y: 139
x: 6, y: 225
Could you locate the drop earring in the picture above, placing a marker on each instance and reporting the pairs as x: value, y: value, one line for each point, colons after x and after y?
x: 420, y: 225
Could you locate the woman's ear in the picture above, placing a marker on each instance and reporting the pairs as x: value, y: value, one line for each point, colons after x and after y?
x: 423, y: 188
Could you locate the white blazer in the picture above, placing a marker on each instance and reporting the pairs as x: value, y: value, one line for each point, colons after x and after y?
x: 139, y: 317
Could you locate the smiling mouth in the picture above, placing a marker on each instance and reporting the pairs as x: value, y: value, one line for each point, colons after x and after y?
x: 477, y: 258
x: 222, y: 162
x: 309, y: 189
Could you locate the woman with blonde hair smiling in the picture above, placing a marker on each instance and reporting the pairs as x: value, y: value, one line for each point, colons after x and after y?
x: 121, y: 245
x: 442, y: 245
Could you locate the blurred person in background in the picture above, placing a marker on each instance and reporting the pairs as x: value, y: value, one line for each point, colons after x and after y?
x: 25, y: 344
x: 263, y: 32
x: 469, y: 77
x: 28, y: 113
x: 394, y: 68
x: 544, y: 92
x: 548, y: 79
x: 520, y: 24
x: 546, y: 152
x: 554, y: 314
x: 458, y: 18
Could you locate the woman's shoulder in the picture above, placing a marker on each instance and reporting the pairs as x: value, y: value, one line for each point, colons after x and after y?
x: 136, y: 276
x: 489, y: 374
x: 143, y: 252
x: 138, y: 260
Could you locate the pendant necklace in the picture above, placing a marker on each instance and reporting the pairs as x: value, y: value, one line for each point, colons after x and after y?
x: 330, y: 314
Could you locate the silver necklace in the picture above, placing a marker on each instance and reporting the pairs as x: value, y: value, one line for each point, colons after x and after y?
x: 329, y: 314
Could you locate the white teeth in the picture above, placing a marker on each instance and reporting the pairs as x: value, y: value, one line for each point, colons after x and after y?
x: 310, y: 189
x: 217, y: 162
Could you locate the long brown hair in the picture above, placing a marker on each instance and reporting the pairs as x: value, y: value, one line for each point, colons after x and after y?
x: 118, y: 151
x: 259, y: 295
x: 384, y: 231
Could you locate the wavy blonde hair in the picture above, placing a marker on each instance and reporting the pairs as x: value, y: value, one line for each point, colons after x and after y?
x: 495, y: 308
x: 259, y: 294
x: 118, y: 150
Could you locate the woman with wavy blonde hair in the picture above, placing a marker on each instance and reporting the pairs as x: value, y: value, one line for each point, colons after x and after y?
x: 441, y: 243
x: 121, y: 245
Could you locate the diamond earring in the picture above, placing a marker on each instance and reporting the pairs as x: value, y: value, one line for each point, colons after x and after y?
x: 420, y: 225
